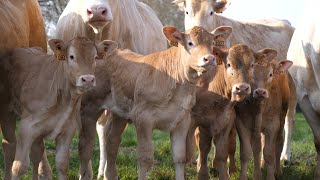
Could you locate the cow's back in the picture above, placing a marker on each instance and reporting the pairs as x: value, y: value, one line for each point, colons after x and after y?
x: 271, y: 33
x: 21, y: 24
x: 28, y: 73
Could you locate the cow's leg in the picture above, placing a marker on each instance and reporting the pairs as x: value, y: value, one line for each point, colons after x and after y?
x: 44, y: 170
x: 36, y: 154
x: 114, y: 132
x: 269, y: 154
x: 204, y: 147
x: 289, y: 122
x: 8, y: 126
x: 232, y: 150
x: 62, y: 152
x: 221, y: 155
x: 24, y: 142
x: 101, y: 131
x: 245, y: 148
x: 145, y: 148
x: 313, y: 119
x: 256, y: 149
x: 178, y: 139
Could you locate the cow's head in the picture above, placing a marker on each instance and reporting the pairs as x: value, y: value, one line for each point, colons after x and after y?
x: 201, y: 12
x: 265, y: 72
x: 238, y: 63
x: 97, y: 13
x: 79, y: 57
x: 195, y: 47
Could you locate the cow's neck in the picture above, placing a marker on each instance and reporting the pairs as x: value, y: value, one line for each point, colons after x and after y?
x: 61, y: 86
x: 217, y: 83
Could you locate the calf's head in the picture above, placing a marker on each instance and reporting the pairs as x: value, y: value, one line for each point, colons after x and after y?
x: 79, y: 58
x: 97, y: 13
x: 201, y: 12
x: 265, y: 73
x: 195, y: 47
x: 239, y: 62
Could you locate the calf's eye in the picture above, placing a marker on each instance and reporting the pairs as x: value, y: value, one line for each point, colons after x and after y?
x: 190, y: 43
x: 187, y: 12
x: 211, y: 13
x: 71, y: 57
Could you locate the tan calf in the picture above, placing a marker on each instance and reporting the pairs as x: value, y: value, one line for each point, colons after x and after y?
x: 264, y: 113
x: 45, y: 92
x: 135, y: 82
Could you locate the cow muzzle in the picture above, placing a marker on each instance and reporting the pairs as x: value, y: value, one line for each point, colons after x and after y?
x: 260, y: 93
x: 86, y: 82
x: 240, y: 91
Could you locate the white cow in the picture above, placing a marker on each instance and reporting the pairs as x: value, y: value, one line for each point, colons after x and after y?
x: 304, y: 51
x: 259, y: 34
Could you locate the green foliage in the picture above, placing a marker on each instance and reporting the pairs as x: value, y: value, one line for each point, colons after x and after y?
x: 302, y: 167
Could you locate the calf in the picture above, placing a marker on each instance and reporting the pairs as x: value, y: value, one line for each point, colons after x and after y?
x: 264, y: 112
x: 45, y: 92
x: 217, y: 94
x: 133, y: 94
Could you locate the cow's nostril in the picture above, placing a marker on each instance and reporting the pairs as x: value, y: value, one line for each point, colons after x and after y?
x: 92, y: 80
x: 89, y: 12
x: 247, y: 89
x: 237, y: 88
x: 103, y: 12
x: 263, y: 92
x: 205, y: 59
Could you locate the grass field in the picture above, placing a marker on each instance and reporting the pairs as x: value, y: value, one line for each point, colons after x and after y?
x: 303, y: 156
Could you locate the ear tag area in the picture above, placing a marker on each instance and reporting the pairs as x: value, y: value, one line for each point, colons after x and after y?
x: 59, y: 55
x: 219, y: 41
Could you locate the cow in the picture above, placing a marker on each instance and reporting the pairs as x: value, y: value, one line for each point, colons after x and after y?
x: 45, y: 92
x: 133, y: 84
x: 304, y: 52
x: 118, y: 20
x: 217, y: 94
x: 263, y: 33
x: 264, y: 113
x: 21, y: 24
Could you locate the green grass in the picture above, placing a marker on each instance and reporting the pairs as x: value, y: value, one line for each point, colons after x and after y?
x: 303, y: 156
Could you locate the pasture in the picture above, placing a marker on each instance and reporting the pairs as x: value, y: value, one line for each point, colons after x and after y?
x: 302, y: 167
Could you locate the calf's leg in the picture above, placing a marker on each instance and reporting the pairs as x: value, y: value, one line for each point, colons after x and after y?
x: 36, y: 154
x: 100, y: 127
x: 204, y: 146
x: 8, y: 126
x: 115, y: 128
x: 44, y: 170
x: 178, y: 139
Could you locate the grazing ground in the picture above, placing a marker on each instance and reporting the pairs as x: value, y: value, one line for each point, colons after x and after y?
x: 302, y: 167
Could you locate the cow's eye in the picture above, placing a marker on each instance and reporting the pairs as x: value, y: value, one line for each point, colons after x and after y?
x: 190, y: 43
x: 71, y: 57
x: 252, y: 65
x: 211, y: 13
x: 271, y: 75
x: 187, y: 12
x: 229, y: 65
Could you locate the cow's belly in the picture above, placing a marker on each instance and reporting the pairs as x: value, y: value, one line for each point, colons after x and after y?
x: 164, y: 117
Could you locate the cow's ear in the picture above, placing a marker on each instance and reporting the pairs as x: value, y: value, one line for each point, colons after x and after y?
x: 221, y: 34
x: 282, y: 66
x: 59, y: 48
x: 221, y: 5
x: 173, y: 35
x: 180, y: 3
x: 105, y: 48
x: 265, y: 56
x: 221, y: 55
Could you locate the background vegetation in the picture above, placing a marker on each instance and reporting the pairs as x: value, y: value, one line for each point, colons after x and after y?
x: 302, y: 167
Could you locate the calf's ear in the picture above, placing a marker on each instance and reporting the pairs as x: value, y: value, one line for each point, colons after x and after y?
x: 59, y: 48
x: 173, y: 35
x: 180, y: 3
x: 265, y: 56
x: 105, y: 48
x: 221, y: 55
x: 282, y: 66
x: 220, y: 5
x: 221, y: 34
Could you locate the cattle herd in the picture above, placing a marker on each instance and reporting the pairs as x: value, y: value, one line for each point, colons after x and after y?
x: 110, y: 65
